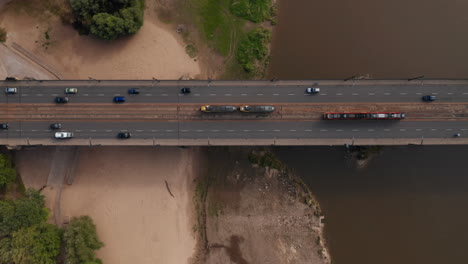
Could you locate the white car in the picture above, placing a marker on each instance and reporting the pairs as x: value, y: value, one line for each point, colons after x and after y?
x: 10, y: 90
x: 63, y: 135
x: 71, y: 90
x: 312, y: 90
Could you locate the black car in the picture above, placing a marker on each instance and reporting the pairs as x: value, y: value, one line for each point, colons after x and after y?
x: 61, y: 100
x: 133, y: 91
x: 56, y: 126
x: 124, y: 135
x: 429, y: 98
x: 4, y: 126
x: 185, y: 90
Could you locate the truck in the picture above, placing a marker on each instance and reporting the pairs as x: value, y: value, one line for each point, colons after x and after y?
x: 257, y: 108
x: 365, y: 116
x: 218, y: 108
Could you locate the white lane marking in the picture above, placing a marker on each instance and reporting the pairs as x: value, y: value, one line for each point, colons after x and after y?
x: 227, y: 94
x: 339, y: 130
x: 419, y: 93
x: 448, y: 129
x: 34, y: 130
x: 184, y: 130
x: 148, y: 94
x: 169, y: 130
x: 292, y: 130
x: 308, y: 130
x: 24, y: 94
x: 387, y: 93
x: 275, y: 94
x: 199, y: 130
x: 244, y: 94
x: 109, y: 130
x: 139, y: 130
x: 370, y: 130
x: 215, y: 130
x: 465, y: 93
x: 39, y: 94
x: 291, y: 94
x: 449, y: 93
x: 433, y: 129
x: 435, y: 93
x: 323, y: 94
x: 418, y: 129
x: 78, y: 130
x: 100, y: 94
x: 54, y: 94
x: 154, y: 130
x: 463, y: 129
x: 355, y: 94
x: 371, y: 93
x: 18, y: 130
x: 196, y: 94
x: 93, y: 130
x: 323, y: 130
x: 261, y: 130
x: 212, y: 94
x: 386, y: 130
x: 85, y: 94
x: 164, y: 94
x: 277, y: 130
x: 402, y: 129
x: 402, y: 93
x: 230, y: 130
x: 47, y: 130
x: 259, y: 94
x: 339, y: 94
x: 246, y: 130
x: 116, y: 94
x: 355, y: 130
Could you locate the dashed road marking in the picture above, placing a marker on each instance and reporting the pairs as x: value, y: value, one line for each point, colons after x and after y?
x: 212, y: 94
x: 148, y: 94
x: 433, y: 129
x: 116, y: 94
x: 259, y: 94
x: 199, y: 130
x: 184, y: 130
x: 85, y: 94
x: 387, y: 93
x: 109, y: 130
x: 39, y: 94
x: 275, y: 94
x: 370, y: 130
x: 339, y: 130
x: 308, y: 130
x: 448, y: 129
x: 227, y: 94
x: 435, y: 93
x: 154, y: 130
x: 449, y: 93
x: 24, y: 94
x: 355, y: 130
x: 291, y: 94
x: 277, y: 130
x: 139, y: 130
x: 214, y: 130
x: 169, y: 130
x: 34, y: 130
x: 54, y: 94
x: 323, y: 94
x: 386, y: 130
x: 246, y: 130
x: 18, y: 130
x: 465, y: 93
x: 230, y: 130
x: 196, y: 94
x: 418, y: 129
x: 402, y: 129
x: 261, y: 130
x: 323, y: 130
x: 292, y: 130
x: 243, y: 94
x: 419, y: 93
x: 339, y: 94
x: 402, y: 93
x: 355, y: 94
x: 164, y: 94
x: 78, y: 130
x: 93, y: 130
x: 371, y: 93
x: 100, y: 94
x: 463, y: 129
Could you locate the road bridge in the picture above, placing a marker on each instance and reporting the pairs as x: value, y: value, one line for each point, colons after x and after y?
x: 161, y: 115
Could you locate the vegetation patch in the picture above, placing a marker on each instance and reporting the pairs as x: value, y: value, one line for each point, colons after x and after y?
x: 7, y: 172
x: 108, y: 19
x: 253, y: 49
x: 191, y: 50
x: 253, y: 10
x: 3, y: 35
x: 266, y: 159
x: 81, y: 241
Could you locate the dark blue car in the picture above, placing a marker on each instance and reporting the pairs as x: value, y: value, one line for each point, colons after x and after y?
x: 119, y: 99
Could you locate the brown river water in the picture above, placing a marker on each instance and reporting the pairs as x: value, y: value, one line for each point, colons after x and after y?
x: 410, y: 205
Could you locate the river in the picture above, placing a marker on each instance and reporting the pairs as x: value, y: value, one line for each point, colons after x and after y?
x: 410, y: 204
x: 379, y: 38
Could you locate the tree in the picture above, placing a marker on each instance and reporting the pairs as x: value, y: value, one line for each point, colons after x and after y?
x: 7, y: 172
x: 108, y: 19
x: 36, y: 244
x: 22, y: 213
x: 81, y: 241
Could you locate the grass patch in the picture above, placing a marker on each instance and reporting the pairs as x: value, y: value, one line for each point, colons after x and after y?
x: 253, y: 50
x: 266, y: 159
x: 253, y: 10
x: 3, y: 35
x: 191, y: 50
x: 216, y: 23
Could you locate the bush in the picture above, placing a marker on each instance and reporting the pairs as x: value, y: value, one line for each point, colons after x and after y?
x: 253, y: 48
x: 108, y: 19
x: 3, y: 35
x: 81, y: 241
x: 7, y: 172
x: 253, y: 10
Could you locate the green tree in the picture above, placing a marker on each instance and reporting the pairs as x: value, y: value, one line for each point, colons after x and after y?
x: 81, y: 241
x: 107, y: 26
x: 7, y: 172
x: 253, y: 10
x: 22, y: 213
x: 36, y: 244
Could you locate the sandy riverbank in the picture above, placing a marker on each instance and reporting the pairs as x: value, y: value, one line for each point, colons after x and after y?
x: 154, y: 51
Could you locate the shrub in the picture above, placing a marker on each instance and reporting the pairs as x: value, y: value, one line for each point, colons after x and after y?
x: 81, y: 241
x: 253, y: 48
x: 7, y: 172
x: 253, y: 10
